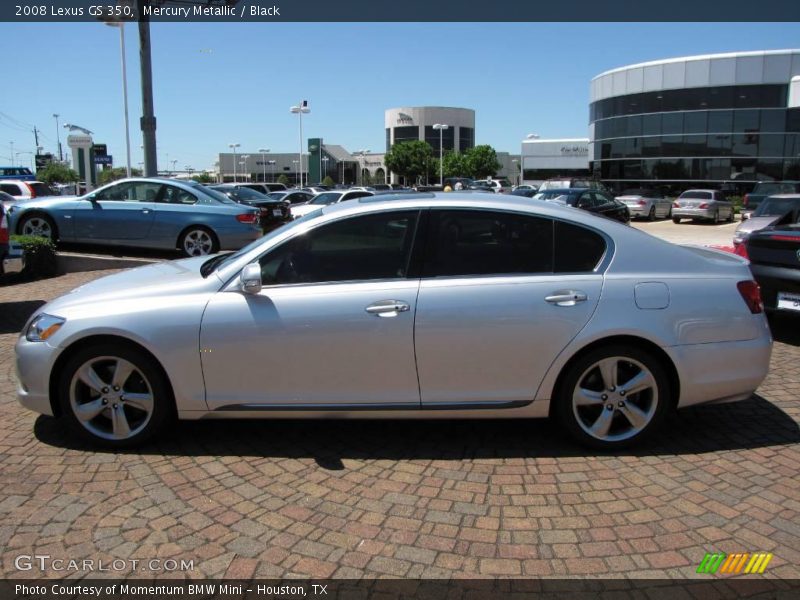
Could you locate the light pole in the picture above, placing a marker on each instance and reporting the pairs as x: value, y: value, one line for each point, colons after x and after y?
x: 12, y: 153
x: 31, y: 153
x: 299, y: 110
x: 244, y: 165
x: 174, y: 163
x: 121, y: 25
x: 58, y: 137
x: 272, y: 168
x: 361, y: 154
x: 264, y: 161
x: 233, y: 147
x: 519, y: 173
x: 324, y: 161
x: 441, y: 127
x: 298, y: 174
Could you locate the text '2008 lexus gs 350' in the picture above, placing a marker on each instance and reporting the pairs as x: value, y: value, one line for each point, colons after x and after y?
x: 413, y: 306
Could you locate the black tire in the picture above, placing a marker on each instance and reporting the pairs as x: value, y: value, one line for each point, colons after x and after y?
x: 651, y: 216
x: 193, y: 231
x: 32, y: 218
x: 163, y: 405
x: 731, y: 217
x: 582, y: 369
x: 716, y: 218
x: 676, y: 220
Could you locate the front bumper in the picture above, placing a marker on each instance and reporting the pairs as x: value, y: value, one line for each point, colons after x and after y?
x: 34, y: 364
x: 694, y: 213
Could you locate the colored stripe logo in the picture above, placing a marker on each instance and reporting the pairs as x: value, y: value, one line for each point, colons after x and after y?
x: 734, y: 564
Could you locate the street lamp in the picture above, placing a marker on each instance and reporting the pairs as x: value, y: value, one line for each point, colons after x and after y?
x: 12, y: 153
x: 361, y: 154
x: 233, y: 147
x: 174, y: 163
x: 272, y: 168
x: 298, y: 173
x: 244, y: 165
x: 299, y: 110
x: 441, y: 127
x: 264, y: 161
x: 519, y: 172
x: 58, y: 137
x: 121, y: 25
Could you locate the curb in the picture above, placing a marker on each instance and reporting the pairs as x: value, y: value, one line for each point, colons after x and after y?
x: 69, y: 262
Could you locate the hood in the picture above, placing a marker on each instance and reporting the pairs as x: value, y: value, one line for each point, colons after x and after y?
x: 755, y: 223
x: 162, y: 279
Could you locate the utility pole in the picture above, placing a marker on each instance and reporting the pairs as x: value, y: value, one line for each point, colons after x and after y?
x: 36, y: 137
x: 148, y: 121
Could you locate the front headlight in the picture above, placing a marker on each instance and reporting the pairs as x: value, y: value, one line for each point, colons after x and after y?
x: 43, y: 327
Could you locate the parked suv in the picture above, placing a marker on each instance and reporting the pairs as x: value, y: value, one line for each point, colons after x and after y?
x: 21, y: 173
x: 25, y: 190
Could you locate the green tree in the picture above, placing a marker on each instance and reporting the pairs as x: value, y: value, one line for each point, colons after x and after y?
x: 328, y: 181
x: 283, y: 179
x: 56, y: 173
x: 366, y: 178
x: 482, y: 161
x: 455, y: 165
x: 203, y: 177
x: 108, y: 175
x: 409, y: 159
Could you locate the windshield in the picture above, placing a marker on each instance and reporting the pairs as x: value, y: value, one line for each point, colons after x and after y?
x: 549, y: 194
x: 277, y: 195
x: 777, y: 207
x: 769, y: 189
x: 244, y: 193
x: 549, y: 185
x: 326, y: 198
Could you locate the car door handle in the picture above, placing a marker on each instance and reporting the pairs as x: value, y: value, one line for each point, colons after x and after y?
x: 388, y: 308
x: 146, y: 211
x: 566, y: 297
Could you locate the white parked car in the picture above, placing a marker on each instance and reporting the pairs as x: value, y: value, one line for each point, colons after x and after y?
x: 500, y: 186
x: 325, y: 198
x: 646, y: 203
x: 25, y: 190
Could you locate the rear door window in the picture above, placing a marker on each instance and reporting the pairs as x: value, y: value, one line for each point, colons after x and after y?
x: 176, y: 195
x: 577, y: 249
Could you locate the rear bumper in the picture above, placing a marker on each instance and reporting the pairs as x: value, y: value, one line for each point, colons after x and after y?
x: 638, y: 211
x: 773, y: 280
x: 721, y: 372
x: 694, y: 213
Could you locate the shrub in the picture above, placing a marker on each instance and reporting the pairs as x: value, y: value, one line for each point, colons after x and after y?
x: 328, y: 181
x: 40, y: 255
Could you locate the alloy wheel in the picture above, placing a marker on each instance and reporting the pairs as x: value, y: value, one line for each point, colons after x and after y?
x: 37, y: 226
x: 615, y: 399
x: 197, y: 242
x: 111, y: 398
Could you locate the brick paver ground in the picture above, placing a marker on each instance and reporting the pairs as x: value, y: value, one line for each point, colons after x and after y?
x: 405, y: 499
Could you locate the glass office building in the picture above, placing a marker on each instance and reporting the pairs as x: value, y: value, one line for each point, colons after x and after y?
x: 722, y: 121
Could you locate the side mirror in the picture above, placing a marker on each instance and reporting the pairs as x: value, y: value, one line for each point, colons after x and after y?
x: 250, y: 278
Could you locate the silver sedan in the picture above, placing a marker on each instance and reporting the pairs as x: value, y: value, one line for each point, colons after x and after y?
x: 708, y: 205
x: 415, y: 306
x: 646, y: 203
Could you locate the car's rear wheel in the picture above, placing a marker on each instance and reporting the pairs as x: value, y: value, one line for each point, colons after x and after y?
x: 38, y: 225
x: 716, y: 217
x: 676, y: 220
x: 613, y: 397
x: 198, y: 241
x: 114, y: 396
x: 731, y: 217
x: 652, y: 214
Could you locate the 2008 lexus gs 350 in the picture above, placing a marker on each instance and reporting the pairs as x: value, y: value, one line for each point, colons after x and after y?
x: 419, y: 306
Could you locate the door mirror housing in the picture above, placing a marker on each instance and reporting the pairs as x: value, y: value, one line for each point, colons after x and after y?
x: 250, y: 278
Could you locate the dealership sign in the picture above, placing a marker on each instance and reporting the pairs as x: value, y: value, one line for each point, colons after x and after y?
x: 404, y: 119
x: 575, y: 150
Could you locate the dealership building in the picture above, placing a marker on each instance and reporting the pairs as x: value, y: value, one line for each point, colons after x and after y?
x: 546, y: 159
x: 720, y: 120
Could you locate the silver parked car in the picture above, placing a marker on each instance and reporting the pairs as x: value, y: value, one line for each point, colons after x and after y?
x: 769, y: 211
x: 650, y: 204
x: 416, y: 306
x: 143, y: 213
x: 708, y: 205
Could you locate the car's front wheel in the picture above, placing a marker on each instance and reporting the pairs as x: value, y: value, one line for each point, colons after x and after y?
x: 651, y: 216
x: 38, y: 225
x: 198, y: 241
x: 114, y: 395
x: 613, y: 396
x: 676, y: 220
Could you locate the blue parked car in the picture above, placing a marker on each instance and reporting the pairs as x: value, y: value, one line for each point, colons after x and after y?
x: 18, y: 173
x: 145, y: 213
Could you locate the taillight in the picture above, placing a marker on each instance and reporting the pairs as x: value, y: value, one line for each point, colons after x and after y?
x: 249, y: 218
x: 676, y: 205
x: 641, y: 203
x: 4, y: 230
x: 703, y: 205
x: 31, y: 190
x: 741, y: 250
x: 784, y: 238
x: 751, y: 294
x: 746, y: 200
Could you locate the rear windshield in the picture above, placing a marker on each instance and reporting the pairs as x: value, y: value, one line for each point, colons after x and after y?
x: 697, y: 195
x: 777, y: 207
x: 326, y: 198
x: 40, y: 189
x: 215, y: 194
x: 560, y: 183
x: 244, y: 193
x: 776, y: 187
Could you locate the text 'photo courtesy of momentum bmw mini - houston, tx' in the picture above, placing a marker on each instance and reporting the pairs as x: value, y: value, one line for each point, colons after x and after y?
x: 400, y: 301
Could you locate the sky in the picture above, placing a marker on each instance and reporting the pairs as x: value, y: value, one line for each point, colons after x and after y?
x: 219, y: 83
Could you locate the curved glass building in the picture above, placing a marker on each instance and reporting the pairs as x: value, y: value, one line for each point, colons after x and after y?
x: 721, y: 120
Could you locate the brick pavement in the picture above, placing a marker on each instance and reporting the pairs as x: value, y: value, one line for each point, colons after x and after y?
x: 405, y: 499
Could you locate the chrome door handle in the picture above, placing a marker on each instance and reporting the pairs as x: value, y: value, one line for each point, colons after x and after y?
x: 388, y: 308
x: 146, y: 211
x: 566, y: 297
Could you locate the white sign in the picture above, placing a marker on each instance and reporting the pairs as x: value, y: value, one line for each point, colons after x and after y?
x: 575, y: 150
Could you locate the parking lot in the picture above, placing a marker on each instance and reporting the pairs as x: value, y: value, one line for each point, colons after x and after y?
x: 408, y: 499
